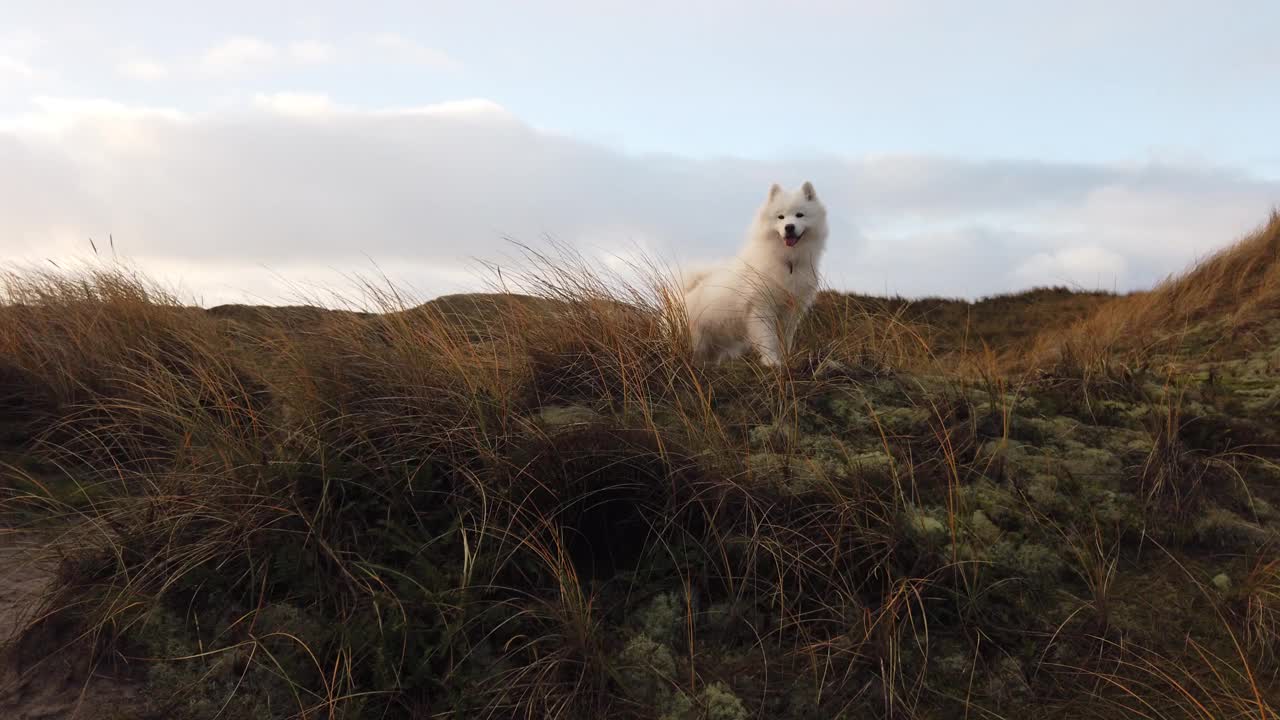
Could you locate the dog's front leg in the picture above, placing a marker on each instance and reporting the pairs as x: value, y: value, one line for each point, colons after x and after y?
x: 791, y: 320
x: 762, y: 332
x: 789, y: 335
x: 703, y: 344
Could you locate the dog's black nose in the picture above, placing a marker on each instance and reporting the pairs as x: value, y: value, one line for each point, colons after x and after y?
x: 791, y: 229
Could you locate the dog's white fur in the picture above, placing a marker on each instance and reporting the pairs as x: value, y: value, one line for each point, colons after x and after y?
x: 756, y: 300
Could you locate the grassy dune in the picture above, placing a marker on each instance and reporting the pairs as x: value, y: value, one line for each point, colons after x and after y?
x: 533, y: 505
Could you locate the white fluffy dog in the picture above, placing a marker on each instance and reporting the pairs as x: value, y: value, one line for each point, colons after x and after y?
x: 756, y: 301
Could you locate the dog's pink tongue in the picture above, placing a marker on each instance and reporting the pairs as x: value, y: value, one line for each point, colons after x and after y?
x: 791, y: 241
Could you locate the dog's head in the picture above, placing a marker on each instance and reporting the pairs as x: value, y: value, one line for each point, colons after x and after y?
x: 794, y: 216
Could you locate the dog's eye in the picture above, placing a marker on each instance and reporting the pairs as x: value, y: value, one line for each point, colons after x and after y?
x: 799, y: 214
x: 782, y: 217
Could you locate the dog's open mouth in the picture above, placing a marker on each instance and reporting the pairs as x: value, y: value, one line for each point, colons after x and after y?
x: 791, y: 239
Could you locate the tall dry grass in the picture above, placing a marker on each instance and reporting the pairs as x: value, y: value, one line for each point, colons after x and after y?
x: 478, y: 506
x: 403, y: 471
x: 1219, y: 307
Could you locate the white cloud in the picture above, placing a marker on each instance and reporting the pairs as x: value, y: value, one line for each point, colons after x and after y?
x: 472, y: 107
x: 53, y: 116
x: 13, y: 68
x: 237, y: 54
x: 405, y: 50
x: 21, y: 42
x: 312, y: 52
x: 297, y: 104
x: 142, y: 69
x: 16, y: 50
x: 233, y: 202
x: 1087, y: 267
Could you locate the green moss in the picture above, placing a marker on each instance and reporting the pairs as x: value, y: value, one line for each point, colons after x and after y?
x: 715, y: 701
x: 768, y: 467
x: 993, y: 451
x: 1035, y: 564
x: 721, y: 704
x: 1006, y: 683
x: 949, y: 659
x: 815, y: 466
x: 1056, y: 430
x: 875, y: 462
x: 790, y: 474
x: 1262, y: 510
x: 772, y: 437
x: 662, y: 619
x: 1114, y: 509
x: 924, y: 525
x: 679, y: 707
x: 825, y: 459
x: 558, y: 417
x: 847, y: 409
x: 903, y: 420
x: 1044, y: 491
x: 1118, y: 413
x: 1221, y: 528
x: 1092, y: 463
x: 996, y: 502
x: 982, y: 526
x: 1138, y: 447
x: 646, y: 671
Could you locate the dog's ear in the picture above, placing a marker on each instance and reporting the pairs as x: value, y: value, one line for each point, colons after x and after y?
x: 808, y: 191
x: 774, y: 190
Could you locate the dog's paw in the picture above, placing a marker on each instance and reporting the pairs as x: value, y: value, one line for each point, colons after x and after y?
x: 770, y: 360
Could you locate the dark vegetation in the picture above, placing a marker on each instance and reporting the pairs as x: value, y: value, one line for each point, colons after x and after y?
x: 536, y: 506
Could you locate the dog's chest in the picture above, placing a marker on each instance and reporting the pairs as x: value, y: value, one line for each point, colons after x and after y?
x: 796, y: 276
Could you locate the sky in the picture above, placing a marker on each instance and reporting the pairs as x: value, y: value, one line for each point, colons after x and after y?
x: 240, y: 152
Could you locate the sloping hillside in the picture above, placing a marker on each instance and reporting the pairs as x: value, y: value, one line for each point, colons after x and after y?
x: 1226, y: 306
